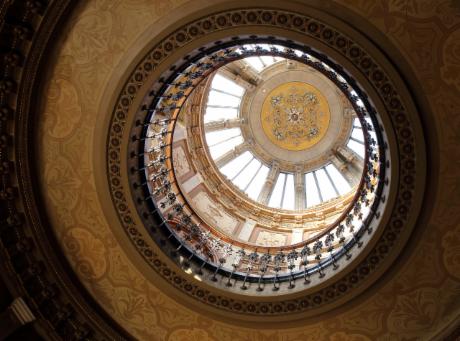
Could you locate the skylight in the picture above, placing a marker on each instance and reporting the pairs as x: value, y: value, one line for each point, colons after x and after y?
x: 261, y: 62
x: 246, y: 171
x: 222, y: 148
x: 222, y: 83
x: 357, y: 147
x: 356, y: 141
x: 257, y: 182
x: 289, y: 193
x: 340, y: 182
x: 232, y: 168
x: 325, y: 185
x: 246, y: 174
x: 311, y: 190
x: 215, y: 137
x: 216, y: 114
x: 277, y: 194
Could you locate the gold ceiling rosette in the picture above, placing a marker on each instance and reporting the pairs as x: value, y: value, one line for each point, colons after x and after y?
x: 295, y: 116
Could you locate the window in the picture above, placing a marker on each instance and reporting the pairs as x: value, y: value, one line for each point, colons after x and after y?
x: 248, y: 173
x: 277, y: 193
x: 231, y: 169
x: 356, y: 141
x: 257, y: 182
x: 311, y: 190
x: 325, y: 185
x: 340, y: 183
x: 289, y: 193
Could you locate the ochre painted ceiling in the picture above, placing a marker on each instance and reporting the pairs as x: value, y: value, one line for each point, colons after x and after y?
x: 295, y: 116
x: 422, y: 295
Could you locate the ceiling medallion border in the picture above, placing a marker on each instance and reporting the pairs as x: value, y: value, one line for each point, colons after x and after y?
x: 354, y: 54
x: 294, y: 165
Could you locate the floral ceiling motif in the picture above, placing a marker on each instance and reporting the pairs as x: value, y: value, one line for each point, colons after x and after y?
x: 295, y: 116
x: 142, y: 308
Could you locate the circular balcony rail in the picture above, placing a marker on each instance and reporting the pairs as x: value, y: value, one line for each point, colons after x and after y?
x: 207, y: 252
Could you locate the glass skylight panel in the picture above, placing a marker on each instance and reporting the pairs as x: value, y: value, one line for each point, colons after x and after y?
x: 246, y: 175
x: 257, y: 183
x: 340, y: 182
x: 219, y: 136
x: 234, y: 166
x: 255, y: 63
x: 216, y: 114
x: 325, y: 185
x: 277, y: 193
x: 222, y: 148
x: 357, y: 134
x: 289, y: 193
x: 268, y: 60
x: 358, y: 148
x: 311, y: 190
x: 222, y: 83
x: 219, y: 98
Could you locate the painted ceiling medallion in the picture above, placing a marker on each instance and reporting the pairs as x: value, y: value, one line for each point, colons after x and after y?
x: 295, y: 116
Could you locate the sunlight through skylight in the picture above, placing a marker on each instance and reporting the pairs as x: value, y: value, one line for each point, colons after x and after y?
x: 311, y: 190
x: 257, y: 183
x: 341, y: 184
x: 245, y: 170
x: 289, y: 193
x: 222, y: 148
x: 232, y: 168
x: 220, y: 82
x: 325, y: 185
x: 277, y: 194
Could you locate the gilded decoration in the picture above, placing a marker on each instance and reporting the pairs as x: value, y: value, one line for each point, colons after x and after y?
x: 398, y: 114
x: 170, y: 318
x: 295, y: 116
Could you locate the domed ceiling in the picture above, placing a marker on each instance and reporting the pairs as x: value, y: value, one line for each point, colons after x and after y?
x: 310, y: 188
x: 294, y: 224
x: 136, y: 224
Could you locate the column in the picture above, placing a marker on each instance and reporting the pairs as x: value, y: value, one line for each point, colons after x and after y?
x: 348, y: 172
x: 223, y: 124
x: 231, y: 154
x: 264, y: 195
x: 299, y: 184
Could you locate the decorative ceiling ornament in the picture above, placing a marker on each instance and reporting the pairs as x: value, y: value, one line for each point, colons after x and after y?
x: 66, y: 317
x: 180, y: 233
x: 295, y: 116
x: 211, y: 277
x: 205, y: 241
x: 182, y: 251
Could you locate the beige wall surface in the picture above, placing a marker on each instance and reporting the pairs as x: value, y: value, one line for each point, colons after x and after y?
x: 421, y: 300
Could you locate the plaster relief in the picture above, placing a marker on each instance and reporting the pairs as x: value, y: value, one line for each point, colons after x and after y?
x: 271, y: 239
x: 213, y: 213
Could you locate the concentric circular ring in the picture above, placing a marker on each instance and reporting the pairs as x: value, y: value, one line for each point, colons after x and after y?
x: 387, y: 99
